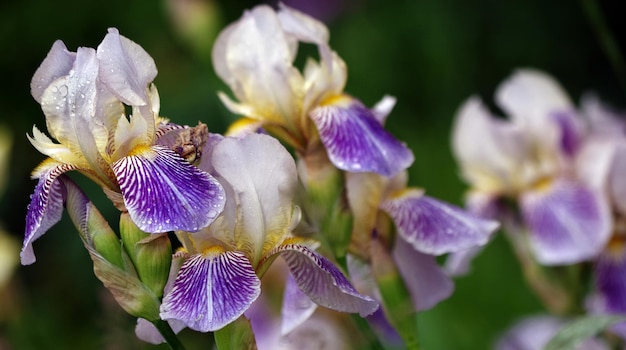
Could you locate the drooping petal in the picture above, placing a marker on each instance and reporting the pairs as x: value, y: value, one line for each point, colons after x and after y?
x: 45, y: 208
x: 57, y: 63
x: 211, y: 291
x: 322, y: 281
x: 263, y: 176
x: 427, y: 283
x: 356, y: 141
x: 125, y: 68
x: 297, y: 306
x: 163, y: 192
x: 568, y: 222
x: 610, y: 270
x: 434, y: 227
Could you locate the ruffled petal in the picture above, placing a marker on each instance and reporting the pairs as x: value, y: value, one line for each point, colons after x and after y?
x: 258, y: 73
x: 322, y: 281
x: 211, y: 291
x: 297, y: 306
x: 45, y: 208
x: 568, y: 222
x: 426, y: 281
x: 356, y: 141
x: 435, y: 227
x: 125, y: 68
x: 57, y: 63
x: 163, y: 192
x: 263, y: 176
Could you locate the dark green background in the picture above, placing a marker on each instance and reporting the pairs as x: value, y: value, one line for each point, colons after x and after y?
x: 431, y: 55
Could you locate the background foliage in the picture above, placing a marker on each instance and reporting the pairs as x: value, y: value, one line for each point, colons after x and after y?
x: 431, y: 55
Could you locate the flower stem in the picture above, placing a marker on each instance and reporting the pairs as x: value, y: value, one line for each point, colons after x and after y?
x: 606, y: 39
x: 168, y: 334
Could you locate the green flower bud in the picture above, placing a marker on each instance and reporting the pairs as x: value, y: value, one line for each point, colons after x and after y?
x: 151, y: 254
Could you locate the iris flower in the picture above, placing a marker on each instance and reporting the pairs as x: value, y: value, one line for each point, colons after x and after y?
x: 532, y: 161
x: 84, y: 95
x: 223, y: 263
x: 254, y: 56
x: 605, y: 157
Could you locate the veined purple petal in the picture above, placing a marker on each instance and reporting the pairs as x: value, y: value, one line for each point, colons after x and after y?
x: 357, y: 142
x: 211, y: 291
x: 610, y: 270
x: 568, y: 222
x: 163, y: 192
x: 426, y: 281
x: 297, y: 306
x: 322, y: 281
x: 45, y: 209
x: 434, y: 227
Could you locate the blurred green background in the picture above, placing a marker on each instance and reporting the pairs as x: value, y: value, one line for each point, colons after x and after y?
x: 431, y: 55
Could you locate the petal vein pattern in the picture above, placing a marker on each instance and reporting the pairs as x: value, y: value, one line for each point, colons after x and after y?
x: 163, y: 192
x: 357, y: 142
x: 210, y: 292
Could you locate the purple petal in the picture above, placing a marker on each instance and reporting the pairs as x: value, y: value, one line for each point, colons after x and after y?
x: 297, y: 306
x: 126, y: 68
x: 357, y: 142
x: 322, y: 281
x: 568, y: 222
x: 570, y: 134
x: 45, y: 209
x: 435, y: 227
x: 211, y: 291
x: 427, y: 283
x: 609, y: 278
x: 163, y: 192
x: 57, y: 63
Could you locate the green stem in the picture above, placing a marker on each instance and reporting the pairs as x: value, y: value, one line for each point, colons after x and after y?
x: 607, y: 40
x: 168, y: 334
x: 371, y: 341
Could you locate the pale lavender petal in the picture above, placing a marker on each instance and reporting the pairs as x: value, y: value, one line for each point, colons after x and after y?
x: 427, y: 283
x: 45, y: 209
x: 163, y: 192
x: 568, y: 222
x: 322, y: 281
x: 434, y: 227
x: 534, y: 333
x: 384, y: 329
x: 211, y: 292
x: 57, y: 63
x: 125, y: 68
x: 147, y: 332
x: 357, y: 142
x: 459, y: 263
x: 297, y: 306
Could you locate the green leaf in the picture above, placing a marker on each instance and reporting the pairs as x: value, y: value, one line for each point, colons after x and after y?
x: 580, y: 329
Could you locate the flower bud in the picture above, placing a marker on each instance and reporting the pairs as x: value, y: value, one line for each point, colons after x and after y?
x: 151, y: 254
